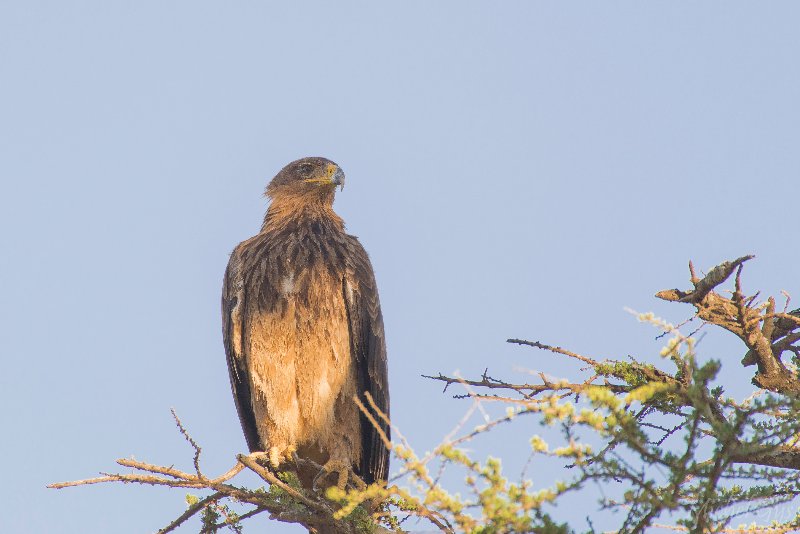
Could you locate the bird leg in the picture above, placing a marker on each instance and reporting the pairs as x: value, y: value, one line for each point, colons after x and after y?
x: 341, y: 467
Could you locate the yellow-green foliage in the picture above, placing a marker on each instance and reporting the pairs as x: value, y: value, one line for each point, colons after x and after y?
x: 632, y: 374
x: 647, y: 391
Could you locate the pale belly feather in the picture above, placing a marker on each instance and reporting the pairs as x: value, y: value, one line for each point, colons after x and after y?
x: 303, y: 379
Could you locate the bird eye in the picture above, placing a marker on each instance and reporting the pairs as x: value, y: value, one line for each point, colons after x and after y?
x: 306, y: 169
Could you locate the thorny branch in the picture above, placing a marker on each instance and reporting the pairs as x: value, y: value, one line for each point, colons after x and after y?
x: 756, y: 440
x: 283, y: 501
x: 765, y: 333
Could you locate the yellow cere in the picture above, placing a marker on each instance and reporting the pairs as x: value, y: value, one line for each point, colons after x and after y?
x: 330, y: 170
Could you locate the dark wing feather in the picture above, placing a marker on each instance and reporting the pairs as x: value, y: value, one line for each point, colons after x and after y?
x: 368, y: 347
x: 233, y: 311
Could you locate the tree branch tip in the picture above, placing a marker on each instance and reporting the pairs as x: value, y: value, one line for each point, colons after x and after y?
x: 671, y: 295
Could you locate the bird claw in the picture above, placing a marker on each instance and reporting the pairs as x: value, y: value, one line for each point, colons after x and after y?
x: 275, y: 456
x: 342, y: 469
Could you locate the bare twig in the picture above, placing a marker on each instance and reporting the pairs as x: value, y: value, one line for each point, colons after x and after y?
x: 557, y: 350
x: 192, y: 442
x: 192, y: 510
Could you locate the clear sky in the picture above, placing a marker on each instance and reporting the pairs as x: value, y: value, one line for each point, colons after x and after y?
x: 515, y: 169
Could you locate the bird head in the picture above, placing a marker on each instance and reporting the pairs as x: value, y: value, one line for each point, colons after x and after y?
x: 309, y: 179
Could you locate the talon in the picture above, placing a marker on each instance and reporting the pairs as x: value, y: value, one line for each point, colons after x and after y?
x: 322, y: 474
x: 356, y: 481
x: 342, y: 470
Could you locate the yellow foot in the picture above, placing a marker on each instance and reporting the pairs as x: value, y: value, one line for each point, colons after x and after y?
x: 344, y: 473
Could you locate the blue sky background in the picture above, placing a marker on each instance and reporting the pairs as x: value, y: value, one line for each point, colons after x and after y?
x: 515, y: 169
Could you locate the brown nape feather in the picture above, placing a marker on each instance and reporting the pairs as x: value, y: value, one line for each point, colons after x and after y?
x: 303, y: 330
x: 298, y: 211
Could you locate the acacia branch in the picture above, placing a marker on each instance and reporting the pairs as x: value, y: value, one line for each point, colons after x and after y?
x: 191, y: 511
x: 762, y: 433
x: 527, y: 390
x: 557, y: 350
x: 288, y: 505
x: 284, y: 502
x: 765, y: 333
x: 782, y: 457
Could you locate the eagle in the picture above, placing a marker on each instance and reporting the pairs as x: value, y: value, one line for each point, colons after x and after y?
x: 303, y: 332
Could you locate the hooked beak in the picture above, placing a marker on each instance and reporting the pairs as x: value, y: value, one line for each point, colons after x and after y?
x: 338, y: 178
